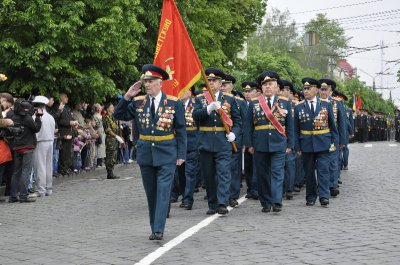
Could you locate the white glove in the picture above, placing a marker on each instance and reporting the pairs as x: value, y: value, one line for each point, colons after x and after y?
x: 231, y: 137
x: 119, y: 139
x: 213, y: 106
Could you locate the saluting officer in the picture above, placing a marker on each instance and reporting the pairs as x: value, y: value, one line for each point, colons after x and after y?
x: 162, y: 140
x: 316, y: 134
x: 236, y: 177
x: 271, y: 138
x: 215, y: 145
x: 325, y: 92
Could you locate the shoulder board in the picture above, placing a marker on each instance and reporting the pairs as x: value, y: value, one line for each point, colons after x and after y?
x: 284, y: 98
x: 337, y: 99
x: 325, y: 100
x: 254, y: 99
x: 172, y: 98
x: 239, y: 98
x: 227, y: 94
x: 139, y: 98
x: 298, y: 103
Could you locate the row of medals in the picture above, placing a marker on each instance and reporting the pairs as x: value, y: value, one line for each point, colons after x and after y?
x: 189, y: 118
x: 165, y: 121
x: 321, y: 121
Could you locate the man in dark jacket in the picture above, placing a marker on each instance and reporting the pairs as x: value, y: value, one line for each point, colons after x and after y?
x: 66, y: 130
x: 22, y: 146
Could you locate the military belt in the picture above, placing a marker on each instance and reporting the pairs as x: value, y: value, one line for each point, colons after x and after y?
x: 191, y: 128
x: 265, y: 127
x: 315, y: 132
x: 155, y: 138
x: 211, y: 129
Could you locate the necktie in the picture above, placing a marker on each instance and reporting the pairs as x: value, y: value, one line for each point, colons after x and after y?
x: 312, y: 107
x: 153, y: 108
x: 269, y: 102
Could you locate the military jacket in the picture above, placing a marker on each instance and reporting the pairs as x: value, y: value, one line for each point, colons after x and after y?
x: 340, y: 120
x: 244, y: 137
x: 314, y: 133
x: 350, y: 122
x: 212, y: 136
x: 162, y: 139
x: 191, y: 127
x: 264, y: 137
x: 110, y: 125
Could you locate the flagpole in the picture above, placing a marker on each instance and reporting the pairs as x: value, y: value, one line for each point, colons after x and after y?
x: 219, y: 111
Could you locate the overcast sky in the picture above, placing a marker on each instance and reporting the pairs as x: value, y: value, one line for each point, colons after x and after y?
x: 368, y: 22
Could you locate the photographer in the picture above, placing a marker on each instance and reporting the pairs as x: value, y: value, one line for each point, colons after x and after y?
x: 23, y: 146
x: 43, y: 153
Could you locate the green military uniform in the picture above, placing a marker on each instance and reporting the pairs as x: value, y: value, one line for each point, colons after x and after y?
x: 110, y: 126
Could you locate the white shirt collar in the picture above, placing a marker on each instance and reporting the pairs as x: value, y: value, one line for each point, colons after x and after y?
x: 271, y: 97
x: 314, y: 100
x: 217, y: 95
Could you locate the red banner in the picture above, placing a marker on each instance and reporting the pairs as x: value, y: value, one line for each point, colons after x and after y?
x: 175, y: 52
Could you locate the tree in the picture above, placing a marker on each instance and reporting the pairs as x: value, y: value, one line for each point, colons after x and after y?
x: 278, y: 34
x: 331, y: 46
x: 87, y: 48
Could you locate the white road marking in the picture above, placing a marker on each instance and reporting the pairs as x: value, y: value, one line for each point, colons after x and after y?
x: 368, y: 145
x: 392, y: 145
x: 150, y: 258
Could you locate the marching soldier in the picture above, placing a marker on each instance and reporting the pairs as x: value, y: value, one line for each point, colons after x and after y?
x: 325, y: 92
x: 250, y: 91
x: 299, y: 176
x: 316, y: 134
x: 191, y: 164
x: 215, y: 145
x: 236, y: 178
x: 349, y: 131
x: 271, y: 134
x: 161, y: 145
x: 288, y: 91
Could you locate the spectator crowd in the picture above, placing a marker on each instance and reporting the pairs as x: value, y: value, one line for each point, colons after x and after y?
x: 41, y: 139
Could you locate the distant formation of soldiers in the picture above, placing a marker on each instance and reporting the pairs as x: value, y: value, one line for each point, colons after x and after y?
x: 275, y: 137
x: 375, y: 126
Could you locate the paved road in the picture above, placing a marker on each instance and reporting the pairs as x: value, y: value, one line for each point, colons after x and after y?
x: 91, y: 220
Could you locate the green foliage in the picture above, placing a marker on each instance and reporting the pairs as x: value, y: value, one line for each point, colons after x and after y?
x: 93, y: 48
x: 87, y: 48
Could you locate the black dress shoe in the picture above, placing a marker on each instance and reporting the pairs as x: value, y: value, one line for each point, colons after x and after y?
x: 266, y: 209
x: 310, y: 203
x: 173, y: 199
x: 276, y: 207
x: 205, y: 198
x: 112, y: 177
x: 222, y: 210
x: 152, y: 236
x: 211, y: 212
x: 289, y: 195
x: 196, y: 190
x: 158, y: 236
x: 233, y: 203
x: 296, y: 189
x: 339, y: 181
x: 345, y: 168
x: 324, y: 201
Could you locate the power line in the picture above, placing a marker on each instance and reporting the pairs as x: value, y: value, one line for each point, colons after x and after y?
x: 336, y: 7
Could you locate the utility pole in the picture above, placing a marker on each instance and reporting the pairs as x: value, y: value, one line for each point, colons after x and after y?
x: 382, y: 54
